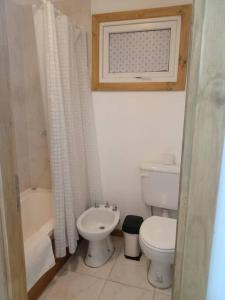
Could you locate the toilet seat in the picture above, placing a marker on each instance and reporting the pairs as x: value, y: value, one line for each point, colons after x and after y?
x: 159, y: 233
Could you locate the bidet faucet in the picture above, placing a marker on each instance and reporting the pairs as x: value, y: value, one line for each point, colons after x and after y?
x: 115, y: 207
x: 107, y: 205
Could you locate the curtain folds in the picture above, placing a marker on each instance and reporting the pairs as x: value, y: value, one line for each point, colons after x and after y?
x: 62, y: 53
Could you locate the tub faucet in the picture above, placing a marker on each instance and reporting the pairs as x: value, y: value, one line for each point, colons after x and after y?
x: 107, y: 205
x: 96, y: 205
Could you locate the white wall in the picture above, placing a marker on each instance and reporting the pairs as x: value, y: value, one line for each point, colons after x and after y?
x: 134, y: 126
x: 102, y: 6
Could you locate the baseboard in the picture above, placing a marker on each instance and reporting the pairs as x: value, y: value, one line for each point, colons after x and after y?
x: 117, y: 232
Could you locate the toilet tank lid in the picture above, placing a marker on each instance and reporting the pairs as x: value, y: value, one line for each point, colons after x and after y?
x: 159, y: 167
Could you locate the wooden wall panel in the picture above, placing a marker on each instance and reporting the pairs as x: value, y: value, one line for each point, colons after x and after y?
x: 203, y: 142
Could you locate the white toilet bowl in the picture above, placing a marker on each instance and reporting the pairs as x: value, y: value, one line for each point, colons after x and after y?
x: 95, y: 225
x: 157, y: 240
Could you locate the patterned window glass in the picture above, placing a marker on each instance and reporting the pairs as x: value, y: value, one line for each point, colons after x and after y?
x: 139, y: 51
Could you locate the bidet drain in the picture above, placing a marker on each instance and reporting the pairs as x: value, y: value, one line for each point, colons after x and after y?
x: 102, y: 227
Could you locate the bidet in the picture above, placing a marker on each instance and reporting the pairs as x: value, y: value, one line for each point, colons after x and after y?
x: 95, y: 225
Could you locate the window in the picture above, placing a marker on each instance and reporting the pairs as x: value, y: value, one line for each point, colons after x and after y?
x: 144, y: 50
x: 136, y: 51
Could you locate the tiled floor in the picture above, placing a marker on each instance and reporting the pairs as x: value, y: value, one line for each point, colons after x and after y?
x: 118, y: 279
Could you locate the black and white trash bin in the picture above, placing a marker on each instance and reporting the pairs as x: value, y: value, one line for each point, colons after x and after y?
x: 131, y: 227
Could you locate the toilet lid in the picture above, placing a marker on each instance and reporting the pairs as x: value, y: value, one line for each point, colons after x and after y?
x: 159, y: 232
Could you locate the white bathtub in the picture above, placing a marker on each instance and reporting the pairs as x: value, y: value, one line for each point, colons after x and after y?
x: 37, y: 224
x: 36, y: 211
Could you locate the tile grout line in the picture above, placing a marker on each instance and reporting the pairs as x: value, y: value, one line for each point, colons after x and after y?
x: 134, y: 286
x: 98, y: 277
x: 154, y: 293
x: 119, y: 251
x: 100, y: 294
x: 107, y: 278
x: 111, y: 280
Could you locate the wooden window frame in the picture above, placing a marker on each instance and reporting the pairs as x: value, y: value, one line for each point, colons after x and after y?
x: 184, y: 11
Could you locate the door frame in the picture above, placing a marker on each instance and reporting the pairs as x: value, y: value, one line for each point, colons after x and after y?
x: 12, y: 264
x: 202, y: 151
x: 205, y: 113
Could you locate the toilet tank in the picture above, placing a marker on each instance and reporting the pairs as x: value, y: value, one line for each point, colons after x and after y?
x: 160, y: 185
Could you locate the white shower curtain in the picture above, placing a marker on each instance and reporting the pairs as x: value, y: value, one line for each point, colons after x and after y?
x: 62, y: 52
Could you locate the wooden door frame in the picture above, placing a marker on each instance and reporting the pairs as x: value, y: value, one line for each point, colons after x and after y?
x: 12, y: 272
x: 4, y: 268
x: 202, y: 151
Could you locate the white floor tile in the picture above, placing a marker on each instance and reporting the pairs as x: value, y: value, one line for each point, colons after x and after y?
x: 165, y: 291
x: 74, y: 286
x: 118, y: 279
x: 131, y: 272
x: 76, y: 262
x: 117, y: 291
x: 161, y: 296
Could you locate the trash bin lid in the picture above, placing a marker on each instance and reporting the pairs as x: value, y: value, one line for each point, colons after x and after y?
x: 132, y: 224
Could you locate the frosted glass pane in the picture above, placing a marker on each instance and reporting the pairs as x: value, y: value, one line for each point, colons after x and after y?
x: 139, y: 51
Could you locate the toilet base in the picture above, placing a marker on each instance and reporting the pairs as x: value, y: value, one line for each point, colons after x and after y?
x: 99, y: 252
x: 160, y: 275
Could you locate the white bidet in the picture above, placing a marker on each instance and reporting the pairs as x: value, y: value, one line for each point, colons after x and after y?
x: 95, y: 225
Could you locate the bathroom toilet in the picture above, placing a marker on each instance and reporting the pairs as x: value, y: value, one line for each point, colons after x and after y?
x: 160, y: 186
x: 157, y: 240
x: 95, y: 225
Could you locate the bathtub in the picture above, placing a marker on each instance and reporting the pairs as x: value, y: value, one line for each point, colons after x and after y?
x: 37, y: 225
x: 36, y: 212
